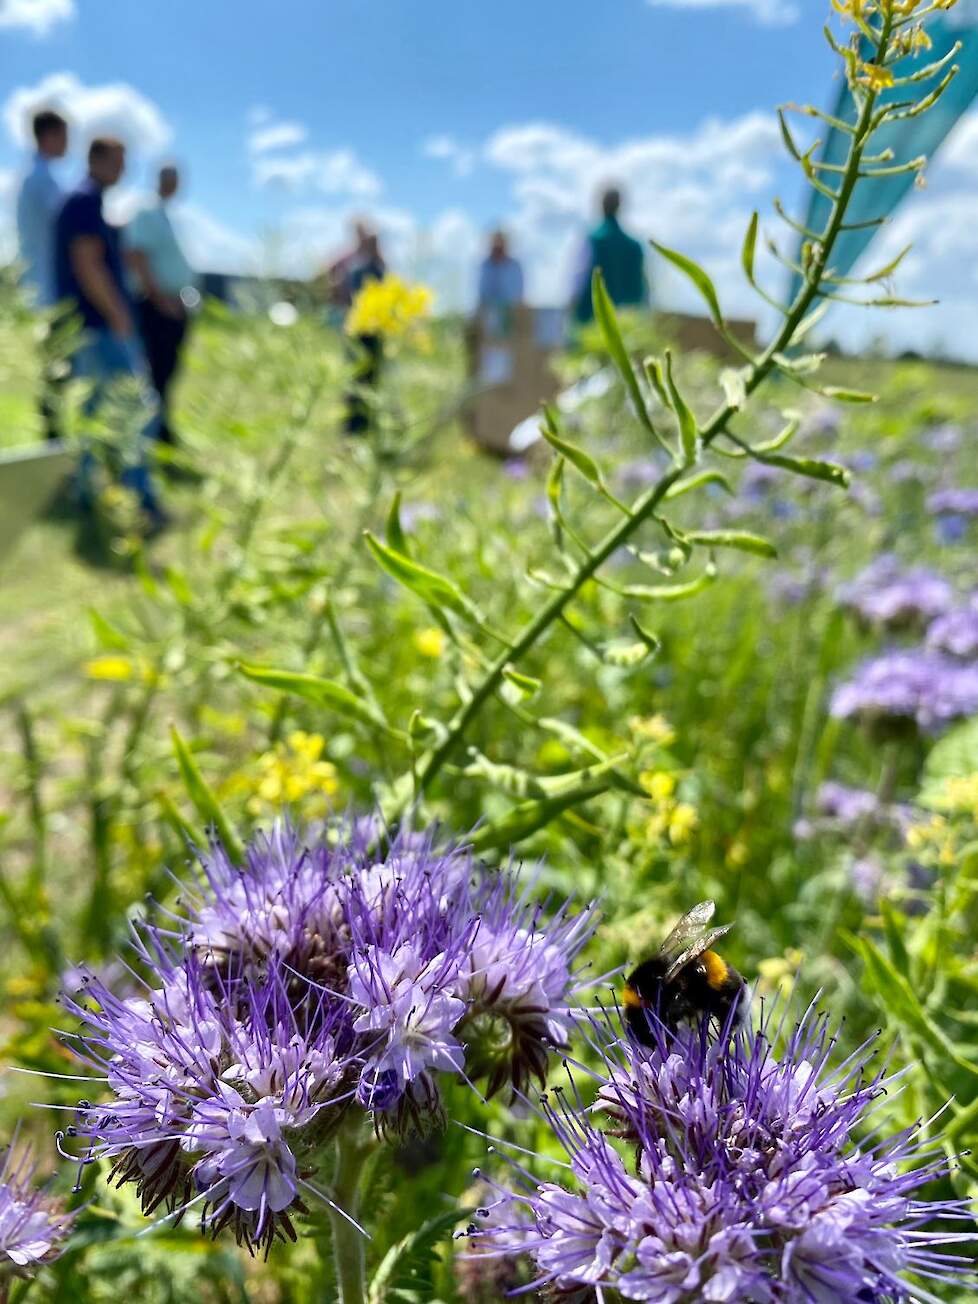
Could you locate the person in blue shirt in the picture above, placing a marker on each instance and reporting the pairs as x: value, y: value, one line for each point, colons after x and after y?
x: 619, y: 256
x: 500, y: 276
x: 38, y: 204
x: 89, y: 277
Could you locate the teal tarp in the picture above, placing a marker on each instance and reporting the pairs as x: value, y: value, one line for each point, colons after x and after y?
x: 907, y: 139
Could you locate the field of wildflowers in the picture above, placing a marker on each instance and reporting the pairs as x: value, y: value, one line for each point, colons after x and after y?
x: 332, y: 819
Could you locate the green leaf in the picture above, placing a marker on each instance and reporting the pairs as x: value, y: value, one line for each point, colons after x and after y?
x: 749, y: 248
x: 604, y: 312
x: 570, y: 452
x: 184, y: 830
x: 671, y: 592
x: 106, y: 634
x: 739, y: 539
x: 784, y: 436
x: 572, y: 738
x: 899, y: 999
x: 699, y: 278
x: 697, y: 482
x: 526, y: 684
x: 405, y: 1273
x: 531, y: 816
x: 395, y: 535
x: 427, y: 584
x: 808, y: 466
x: 203, y: 798
x: 321, y: 692
x: 848, y: 395
x: 688, y: 430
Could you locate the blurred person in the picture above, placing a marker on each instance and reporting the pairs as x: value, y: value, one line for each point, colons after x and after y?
x: 89, y: 276
x: 163, y: 279
x: 621, y: 259
x: 338, y: 287
x: 368, y: 265
x: 500, y: 276
x: 38, y: 204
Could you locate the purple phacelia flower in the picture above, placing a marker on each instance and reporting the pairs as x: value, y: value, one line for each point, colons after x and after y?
x: 956, y: 631
x: 887, y: 595
x: 953, y: 502
x: 944, y: 438
x: 321, y: 976
x: 33, y: 1225
x: 725, y: 1171
x: 918, y: 685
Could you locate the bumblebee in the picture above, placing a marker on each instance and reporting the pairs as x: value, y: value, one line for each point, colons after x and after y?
x: 686, y: 980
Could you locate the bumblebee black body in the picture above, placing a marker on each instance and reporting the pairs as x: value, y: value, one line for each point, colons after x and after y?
x: 685, y: 982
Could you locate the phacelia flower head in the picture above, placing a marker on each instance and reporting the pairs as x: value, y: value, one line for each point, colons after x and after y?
x: 33, y: 1226
x: 916, y: 686
x: 956, y: 631
x: 886, y: 595
x: 720, y: 1170
x: 320, y: 977
x: 953, y: 502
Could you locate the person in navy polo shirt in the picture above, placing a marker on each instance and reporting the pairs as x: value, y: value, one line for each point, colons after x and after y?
x: 89, y: 276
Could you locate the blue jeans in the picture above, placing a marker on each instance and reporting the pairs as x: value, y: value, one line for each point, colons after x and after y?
x: 105, y: 358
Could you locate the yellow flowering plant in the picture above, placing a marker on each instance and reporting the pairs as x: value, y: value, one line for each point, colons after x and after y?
x: 390, y: 308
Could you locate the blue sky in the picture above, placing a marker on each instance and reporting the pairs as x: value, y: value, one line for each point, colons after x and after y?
x: 439, y: 116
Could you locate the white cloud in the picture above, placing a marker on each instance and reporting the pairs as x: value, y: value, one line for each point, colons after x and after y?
x: 276, y: 135
x: 448, y: 148
x: 335, y: 172
x: 112, y: 108
x: 773, y: 13
x: 36, y: 16
x: 694, y: 190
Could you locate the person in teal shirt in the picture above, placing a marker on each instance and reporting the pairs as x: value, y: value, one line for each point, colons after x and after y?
x: 621, y: 259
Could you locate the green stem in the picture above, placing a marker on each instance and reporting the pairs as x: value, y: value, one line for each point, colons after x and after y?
x: 554, y: 608
x: 349, y: 1260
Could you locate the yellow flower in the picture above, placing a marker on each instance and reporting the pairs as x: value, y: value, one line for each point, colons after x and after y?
x: 875, y: 76
x: 659, y: 784
x: 430, y: 642
x: 738, y: 853
x: 389, y: 307
x: 682, y: 823
x: 656, y: 728
x: 113, y: 668
x: 779, y: 972
x: 960, y: 796
x: 293, y: 772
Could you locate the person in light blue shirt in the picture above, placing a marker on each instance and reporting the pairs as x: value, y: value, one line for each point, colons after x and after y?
x: 500, y: 280
x: 164, y: 285
x: 38, y: 205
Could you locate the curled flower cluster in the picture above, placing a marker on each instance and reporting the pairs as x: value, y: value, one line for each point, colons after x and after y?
x: 886, y: 595
x: 33, y: 1227
x: 917, y: 685
x: 727, y: 1172
x: 313, y: 981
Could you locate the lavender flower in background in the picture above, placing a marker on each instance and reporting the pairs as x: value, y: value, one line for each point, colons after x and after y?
x: 33, y: 1226
x: 944, y: 438
x: 919, y: 686
x: 885, y: 594
x: 956, y: 631
x: 953, y: 502
x: 749, y: 1179
x: 318, y: 978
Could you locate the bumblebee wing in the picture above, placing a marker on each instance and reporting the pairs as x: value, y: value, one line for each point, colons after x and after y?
x: 687, y: 931
x: 703, y: 943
